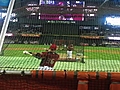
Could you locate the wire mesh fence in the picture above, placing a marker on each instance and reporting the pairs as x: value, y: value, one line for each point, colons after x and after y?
x: 34, y: 26
x: 58, y: 80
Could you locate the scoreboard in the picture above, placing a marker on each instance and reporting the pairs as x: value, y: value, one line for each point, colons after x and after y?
x: 62, y: 10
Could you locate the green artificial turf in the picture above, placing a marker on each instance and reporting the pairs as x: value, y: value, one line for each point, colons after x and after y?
x: 31, y: 63
x: 104, y: 53
x: 97, y: 58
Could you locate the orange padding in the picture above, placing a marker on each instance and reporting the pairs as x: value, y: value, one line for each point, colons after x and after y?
x: 115, y: 76
x: 115, y: 86
x: 82, y: 85
x: 75, y: 75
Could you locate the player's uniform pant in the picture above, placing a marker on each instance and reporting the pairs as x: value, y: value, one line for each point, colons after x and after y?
x: 45, y: 68
x: 69, y: 54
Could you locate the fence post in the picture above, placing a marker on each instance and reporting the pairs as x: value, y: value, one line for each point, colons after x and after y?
x: 5, y: 24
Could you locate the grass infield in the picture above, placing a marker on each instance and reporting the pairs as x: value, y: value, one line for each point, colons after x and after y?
x: 31, y: 63
x: 99, y: 53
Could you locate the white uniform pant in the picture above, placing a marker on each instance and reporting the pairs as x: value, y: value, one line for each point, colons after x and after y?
x: 45, y: 68
x: 69, y: 54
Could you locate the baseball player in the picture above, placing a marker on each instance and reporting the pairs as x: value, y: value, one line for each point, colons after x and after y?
x: 48, y: 58
x: 70, y: 48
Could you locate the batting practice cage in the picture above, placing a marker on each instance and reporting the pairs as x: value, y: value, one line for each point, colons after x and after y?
x: 59, y: 45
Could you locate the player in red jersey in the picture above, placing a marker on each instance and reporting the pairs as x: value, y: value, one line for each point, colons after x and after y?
x: 49, y: 58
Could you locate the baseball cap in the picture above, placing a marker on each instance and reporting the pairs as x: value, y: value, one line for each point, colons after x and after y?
x: 53, y: 47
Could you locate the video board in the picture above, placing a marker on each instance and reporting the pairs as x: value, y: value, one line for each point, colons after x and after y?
x: 62, y: 10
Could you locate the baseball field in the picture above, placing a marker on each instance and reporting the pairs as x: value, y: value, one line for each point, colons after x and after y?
x: 96, y: 58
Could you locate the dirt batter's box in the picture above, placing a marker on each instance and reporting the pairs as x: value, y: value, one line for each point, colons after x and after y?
x: 77, y: 53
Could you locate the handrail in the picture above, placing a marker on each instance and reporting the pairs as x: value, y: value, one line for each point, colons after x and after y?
x: 78, y: 75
